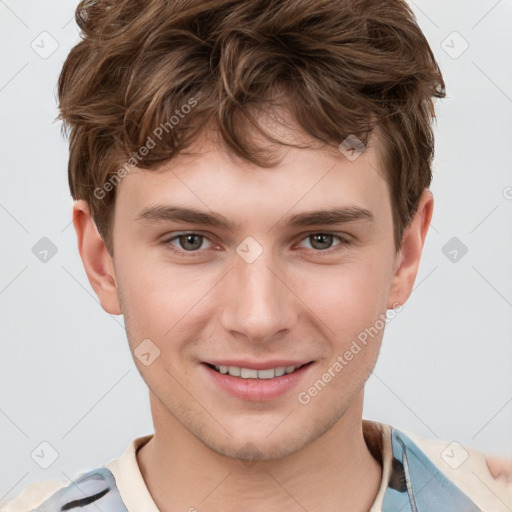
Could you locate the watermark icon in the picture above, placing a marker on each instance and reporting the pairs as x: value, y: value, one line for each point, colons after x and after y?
x: 454, y: 455
x: 137, y: 156
x: 44, y: 250
x: 355, y: 348
x: 454, y: 249
x: 44, y: 455
x: 146, y: 352
x: 507, y: 192
x: 249, y: 454
x: 352, y: 147
x: 44, y: 45
x: 249, y: 249
x: 454, y: 45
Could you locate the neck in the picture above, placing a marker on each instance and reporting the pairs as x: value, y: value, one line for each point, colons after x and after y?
x: 336, y: 472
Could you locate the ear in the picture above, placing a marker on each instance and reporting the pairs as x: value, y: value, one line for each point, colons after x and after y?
x: 408, y: 258
x: 97, y: 261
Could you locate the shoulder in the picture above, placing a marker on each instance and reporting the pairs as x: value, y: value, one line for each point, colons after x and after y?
x: 116, y: 486
x: 33, y: 495
x: 451, y: 473
x: 55, y: 495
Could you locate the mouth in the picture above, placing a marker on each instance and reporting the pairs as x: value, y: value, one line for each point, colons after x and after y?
x: 271, y: 381
x: 252, y: 373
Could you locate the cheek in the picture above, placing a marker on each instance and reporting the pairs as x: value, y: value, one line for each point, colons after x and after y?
x: 349, y: 297
x: 161, y: 301
x: 351, y: 306
x: 146, y: 297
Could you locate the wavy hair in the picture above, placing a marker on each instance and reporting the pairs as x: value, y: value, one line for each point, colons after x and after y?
x: 343, y: 66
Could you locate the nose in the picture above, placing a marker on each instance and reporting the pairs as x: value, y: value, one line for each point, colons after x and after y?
x: 257, y: 300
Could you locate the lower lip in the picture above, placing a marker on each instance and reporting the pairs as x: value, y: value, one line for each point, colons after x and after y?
x: 257, y: 389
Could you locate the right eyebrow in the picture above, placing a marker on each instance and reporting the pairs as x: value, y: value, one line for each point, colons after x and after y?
x: 159, y: 213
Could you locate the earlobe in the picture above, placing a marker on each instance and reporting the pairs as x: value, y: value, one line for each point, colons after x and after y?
x: 97, y: 261
x: 409, y: 256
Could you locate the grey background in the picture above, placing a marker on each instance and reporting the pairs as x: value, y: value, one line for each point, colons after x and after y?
x: 66, y: 375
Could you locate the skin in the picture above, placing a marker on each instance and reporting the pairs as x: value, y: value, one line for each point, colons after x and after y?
x: 500, y: 468
x: 294, y: 301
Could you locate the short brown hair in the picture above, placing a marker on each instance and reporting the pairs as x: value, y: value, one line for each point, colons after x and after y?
x: 345, y: 66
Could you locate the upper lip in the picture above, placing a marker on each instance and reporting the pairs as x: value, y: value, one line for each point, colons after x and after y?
x: 258, y: 365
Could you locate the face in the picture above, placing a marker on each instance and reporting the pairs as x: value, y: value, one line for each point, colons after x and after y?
x: 261, y: 283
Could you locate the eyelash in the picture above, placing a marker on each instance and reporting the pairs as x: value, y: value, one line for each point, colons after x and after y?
x: 191, y: 254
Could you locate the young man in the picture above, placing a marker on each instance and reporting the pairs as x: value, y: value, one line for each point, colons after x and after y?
x: 251, y: 183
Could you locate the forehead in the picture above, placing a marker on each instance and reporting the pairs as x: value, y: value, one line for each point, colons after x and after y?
x: 211, y: 178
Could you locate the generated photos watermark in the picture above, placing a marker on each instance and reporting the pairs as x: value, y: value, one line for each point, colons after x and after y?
x: 137, y: 156
x: 344, y: 359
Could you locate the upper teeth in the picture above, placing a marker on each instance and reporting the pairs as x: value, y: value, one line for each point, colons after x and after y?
x: 248, y: 373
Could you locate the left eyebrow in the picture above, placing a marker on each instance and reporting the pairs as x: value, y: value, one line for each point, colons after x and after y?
x: 328, y: 217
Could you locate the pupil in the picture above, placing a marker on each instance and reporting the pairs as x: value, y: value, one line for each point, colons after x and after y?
x: 184, y: 239
x: 320, y: 236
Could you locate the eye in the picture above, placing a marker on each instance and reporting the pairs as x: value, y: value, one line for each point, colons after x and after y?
x: 190, y: 244
x: 322, y: 242
x: 186, y: 243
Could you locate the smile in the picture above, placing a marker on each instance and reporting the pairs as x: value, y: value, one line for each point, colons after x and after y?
x: 251, y: 384
x: 250, y: 373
